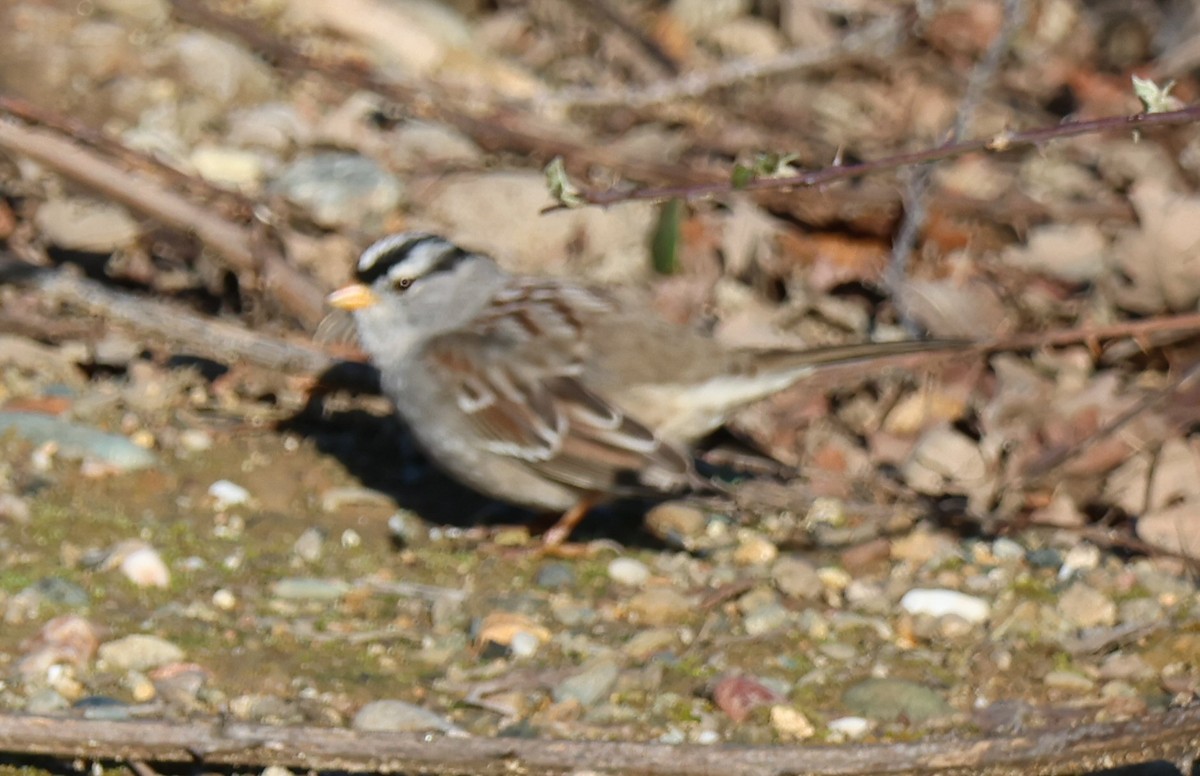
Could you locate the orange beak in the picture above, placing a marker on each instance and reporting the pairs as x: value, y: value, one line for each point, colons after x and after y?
x: 353, y: 297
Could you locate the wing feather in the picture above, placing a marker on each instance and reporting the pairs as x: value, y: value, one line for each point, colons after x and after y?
x: 516, y: 377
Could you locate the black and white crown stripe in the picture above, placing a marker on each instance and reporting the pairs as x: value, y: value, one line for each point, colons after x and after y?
x: 407, y: 255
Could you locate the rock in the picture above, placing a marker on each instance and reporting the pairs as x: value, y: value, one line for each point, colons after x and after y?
x: 1068, y: 680
x: 555, y: 576
x: 796, y: 578
x: 754, y: 549
x: 408, y: 528
x: 492, y: 211
x: 590, y: 685
x: 629, y: 572
x: 309, y: 546
x: 940, y: 603
x: 74, y: 441
x: 264, y: 708
x: 501, y: 628
x: 849, y: 727
x: 676, y: 522
x: 738, y: 695
x: 224, y: 73
x: 232, y: 167
x: 791, y: 724
x: 86, y: 225
x: 660, y: 606
x: 45, y: 701
x: 274, y: 127
x: 394, y: 716
x: 68, y: 639
x: 141, y: 564
x: 1086, y: 607
x: 418, y: 143
x: 226, y: 494
x: 645, y: 644
x: 891, y: 699
x: 309, y: 589
x: 341, y: 190
x: 138, y: 652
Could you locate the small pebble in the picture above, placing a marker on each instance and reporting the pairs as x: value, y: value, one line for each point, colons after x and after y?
x: 195, y: 440
x: 645, y: 644
x: 555, y: 576
x: 138, y: 652
x: 850, y: 727
x: 629, y: 572
x: 661, y: 606
x: 395, y: 716
x: 1081, y: 557
x: 1085, y: 607
x: 226, y: 494
x: 796, y: 578
x: 224, y: 599
x: 791, y: 723
x: 673, y: 519
x: 309, y: 589
x: 309, y: 545
x: 1068, y: 680
x: 892, y: 699
x: 940, y: 603
x: 336, y: 499
x: 524, y: 644
x: 754, y: 550
x: 144, y: 567
x: 589, y: 685
x: 408, y: 529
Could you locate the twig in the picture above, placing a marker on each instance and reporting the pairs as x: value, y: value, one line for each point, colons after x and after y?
x: 1046, y: 465
x: 1004, y: 141
x: 234, y: 244
x: 223, y: 342
x: 919, y: 183
x: 876, y: 39
x: 604, y: 10
x: 1172, y: 735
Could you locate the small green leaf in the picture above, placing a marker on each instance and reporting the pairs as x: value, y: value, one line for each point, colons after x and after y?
x: 665, y: 249
x: 561, y: 188
x: 742, y: 175
x: 1155, y: 98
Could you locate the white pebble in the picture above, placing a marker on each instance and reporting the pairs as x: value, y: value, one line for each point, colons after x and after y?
x: 850, y: 727
x: 144, y: 567
x: 1081, y: 557
x: 524, y: 644
x: 628, y: 571
x: 941, y: 602
x: 224, y: 599
x: 226, y: 494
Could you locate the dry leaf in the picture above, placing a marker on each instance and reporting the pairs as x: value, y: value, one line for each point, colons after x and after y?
x: 1161, y: 258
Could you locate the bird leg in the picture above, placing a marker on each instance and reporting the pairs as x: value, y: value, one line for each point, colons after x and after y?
x: 562, y: 529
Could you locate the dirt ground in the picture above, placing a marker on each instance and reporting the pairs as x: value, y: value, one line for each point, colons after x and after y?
x: 979, y: 542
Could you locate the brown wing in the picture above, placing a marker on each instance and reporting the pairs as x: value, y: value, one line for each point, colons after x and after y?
x: 517, y: 376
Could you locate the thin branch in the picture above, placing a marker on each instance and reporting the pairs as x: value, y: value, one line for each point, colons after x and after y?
x: 877, y: 39
x: 919, y: 184
x: 221, y: 341
x: 604, y: 10
x: 1173, y: 735
x: 1004, y: 141
x: 232, y: 243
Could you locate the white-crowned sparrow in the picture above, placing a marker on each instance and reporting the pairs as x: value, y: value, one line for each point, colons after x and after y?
x: 548, y: 394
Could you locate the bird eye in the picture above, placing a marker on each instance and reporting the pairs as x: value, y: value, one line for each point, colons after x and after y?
x: 403, y: 283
